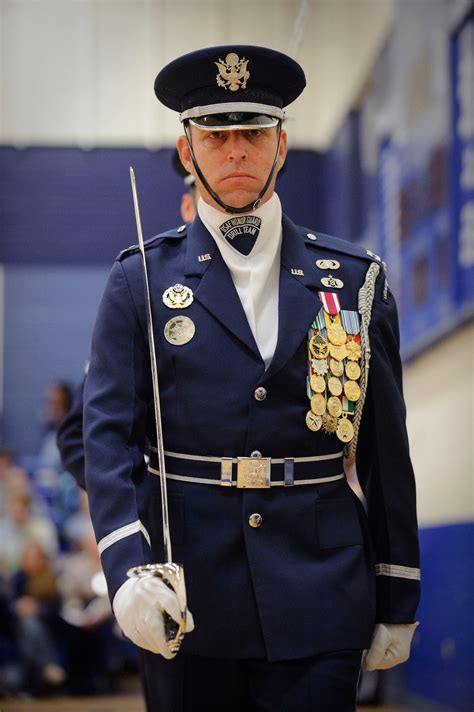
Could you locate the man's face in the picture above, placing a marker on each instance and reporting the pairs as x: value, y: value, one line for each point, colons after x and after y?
x: 236, y: 163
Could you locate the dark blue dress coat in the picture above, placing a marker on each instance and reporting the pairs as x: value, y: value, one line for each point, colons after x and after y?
x: 305, y: 581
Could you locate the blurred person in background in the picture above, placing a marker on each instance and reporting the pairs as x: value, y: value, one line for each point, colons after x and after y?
x: 93, y: 650
x: 21, y: 526
x: 12, y: 478
x: 35, y: 606
x: 55, y: 485
x: 58, y: 402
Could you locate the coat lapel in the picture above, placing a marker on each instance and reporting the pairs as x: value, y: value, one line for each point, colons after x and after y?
x: 215, y: 289
x: 298, y: 298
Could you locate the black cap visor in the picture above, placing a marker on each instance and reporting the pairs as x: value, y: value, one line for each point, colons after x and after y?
x: 234, y: 120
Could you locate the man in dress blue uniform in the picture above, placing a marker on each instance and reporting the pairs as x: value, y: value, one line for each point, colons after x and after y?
x: 264, y: 331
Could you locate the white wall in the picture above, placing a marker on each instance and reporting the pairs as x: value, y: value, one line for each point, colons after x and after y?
x: 81, y: 72
x: 439, y: 389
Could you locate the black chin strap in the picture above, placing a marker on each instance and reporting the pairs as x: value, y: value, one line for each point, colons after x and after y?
x: 250, y: 207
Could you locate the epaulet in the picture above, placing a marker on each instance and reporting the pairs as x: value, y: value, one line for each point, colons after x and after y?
x: 319, y: 239
x: 177, y: 233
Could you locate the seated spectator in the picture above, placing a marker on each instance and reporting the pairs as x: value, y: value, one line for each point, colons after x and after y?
x: 12, y: 478
x: 21, y: 525
x: 35, y: 605
x: 93, y: 650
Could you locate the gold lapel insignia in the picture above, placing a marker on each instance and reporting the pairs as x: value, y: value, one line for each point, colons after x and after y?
x: 204, y: 258
x: 297, y: 272
x: 332, y: 282
x: 179, y: 330
x: 233, y: 73
x: 328, y: 264
x: 178, y: 297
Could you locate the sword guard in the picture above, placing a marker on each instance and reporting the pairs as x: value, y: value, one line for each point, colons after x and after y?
x: 173, y: 576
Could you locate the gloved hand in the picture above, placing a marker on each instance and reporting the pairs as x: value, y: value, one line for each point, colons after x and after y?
x: 138, y: 607
x: 390, y: 645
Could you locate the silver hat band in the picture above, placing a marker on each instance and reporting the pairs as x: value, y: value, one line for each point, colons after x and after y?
x: 236, y: 106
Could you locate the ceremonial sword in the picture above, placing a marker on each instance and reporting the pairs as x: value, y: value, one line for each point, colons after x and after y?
x: 172, y: 574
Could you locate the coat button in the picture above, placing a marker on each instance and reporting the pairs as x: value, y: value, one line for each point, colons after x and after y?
x: 255, y: 520
x: 256, y: 453
x: 260, y: 393
x: 311, y: 236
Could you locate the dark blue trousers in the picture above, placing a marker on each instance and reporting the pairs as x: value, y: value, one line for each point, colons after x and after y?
x: 325, y: 683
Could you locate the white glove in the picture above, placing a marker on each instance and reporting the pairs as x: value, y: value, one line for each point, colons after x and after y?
x: 390, y: 645
x: 139, y: 605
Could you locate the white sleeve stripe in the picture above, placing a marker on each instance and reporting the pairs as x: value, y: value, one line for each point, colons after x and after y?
x: 397, y: 571
x: 121, y: 533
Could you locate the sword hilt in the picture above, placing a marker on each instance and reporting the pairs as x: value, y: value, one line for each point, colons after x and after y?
x: 173, y: 576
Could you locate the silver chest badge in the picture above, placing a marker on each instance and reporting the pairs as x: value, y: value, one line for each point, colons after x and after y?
x: 332, y: 282
x: 328, y: 264
x: 179, y: 330
x: 178, y: 297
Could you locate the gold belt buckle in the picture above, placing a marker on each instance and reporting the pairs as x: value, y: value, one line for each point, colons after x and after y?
x: 253, y: 472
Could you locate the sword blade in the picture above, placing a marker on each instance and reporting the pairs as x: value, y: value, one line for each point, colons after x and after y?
x: 154, y: 374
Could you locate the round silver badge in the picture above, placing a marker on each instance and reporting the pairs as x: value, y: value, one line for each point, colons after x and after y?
x: 179, y: 330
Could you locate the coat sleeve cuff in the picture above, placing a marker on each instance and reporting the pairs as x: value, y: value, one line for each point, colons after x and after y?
x: 398, y: 593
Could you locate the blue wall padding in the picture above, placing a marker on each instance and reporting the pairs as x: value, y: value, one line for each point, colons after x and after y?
x: 49, y: 316
x: 441, y: 665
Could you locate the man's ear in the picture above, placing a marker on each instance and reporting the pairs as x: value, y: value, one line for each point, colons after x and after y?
x: 282, y: 150
x: 184, y: 154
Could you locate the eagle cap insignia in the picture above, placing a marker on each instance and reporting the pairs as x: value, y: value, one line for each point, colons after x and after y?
x: 233, y: 73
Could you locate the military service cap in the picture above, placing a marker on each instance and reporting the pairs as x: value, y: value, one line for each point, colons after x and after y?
x: 231, y: 86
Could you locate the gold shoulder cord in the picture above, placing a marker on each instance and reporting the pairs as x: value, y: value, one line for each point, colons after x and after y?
x: 366, y: 300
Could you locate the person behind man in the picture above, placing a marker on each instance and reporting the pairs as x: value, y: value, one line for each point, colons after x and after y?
x: 264, y: 332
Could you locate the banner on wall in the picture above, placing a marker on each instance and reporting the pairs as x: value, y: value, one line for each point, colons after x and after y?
x: 462, y: 174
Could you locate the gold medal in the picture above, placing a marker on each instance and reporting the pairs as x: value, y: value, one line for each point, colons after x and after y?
x: 178, y: 297
x: 338, y: 351
x: 352, y: 390
x: 336, y: 334
x: 352, y: 370
x: 337, y: 369
x: 179, y: 330
x: 345, y: 430
x: 318, y: 346
x: 334, y: 386
x: 319, y: 366
x: 334, y: 407
x: 318, y: 384
x: 354, y: 352
x: 329, y: 423
x: 318, y: 404
x: 314, y: 422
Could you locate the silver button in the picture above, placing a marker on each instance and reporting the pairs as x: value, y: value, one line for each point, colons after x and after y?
x: 255, y: 520
x: 310, y: 236
x: 260, y: 393
x: 181, y: 229
x: 256, y: 453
